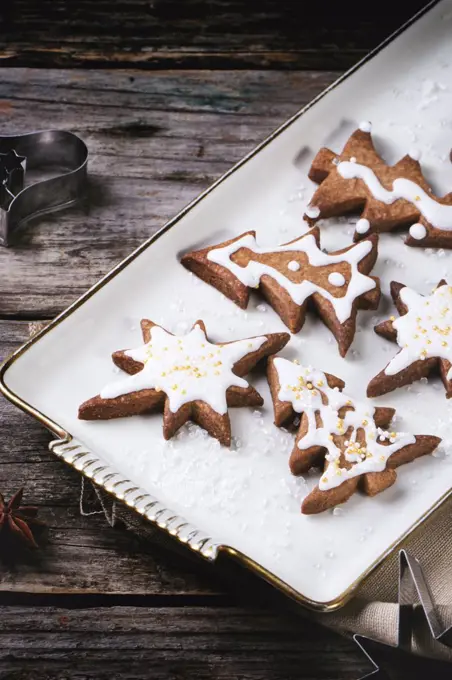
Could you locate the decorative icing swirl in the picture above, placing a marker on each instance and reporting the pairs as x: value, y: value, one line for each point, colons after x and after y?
x: 425, y: 330
x: 187, y: 368
x: 251, y: 274
x: 437, y: 214
x: 307, y: 390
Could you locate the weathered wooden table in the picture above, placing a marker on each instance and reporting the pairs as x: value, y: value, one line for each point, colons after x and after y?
x: 98, y: 603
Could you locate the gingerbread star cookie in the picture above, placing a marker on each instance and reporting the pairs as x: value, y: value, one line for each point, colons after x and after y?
x: 291, y: 275
x: 424, y: 334
x: 349, y: 439
x: 187, y: 377
x: 388, y: 197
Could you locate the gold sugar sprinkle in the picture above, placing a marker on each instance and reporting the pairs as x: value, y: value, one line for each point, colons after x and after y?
x: 365, y: 422
x: 320, y: 383
x: 392, y: 318
x: 444, y: 343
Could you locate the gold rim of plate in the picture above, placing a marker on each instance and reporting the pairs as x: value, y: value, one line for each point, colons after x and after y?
x: 75, y: 454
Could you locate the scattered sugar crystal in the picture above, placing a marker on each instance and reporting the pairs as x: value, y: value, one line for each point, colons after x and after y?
x: 337, y: 512
x: 330, y: 554
x: 261, y: 308
x: 438, y: 453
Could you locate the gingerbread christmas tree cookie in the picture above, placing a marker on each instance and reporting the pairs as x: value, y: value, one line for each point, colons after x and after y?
x: 187, y: 377
x: 423, y: 332
x: 388, y: 197
x: 348, y: 439
x: 291, y: 275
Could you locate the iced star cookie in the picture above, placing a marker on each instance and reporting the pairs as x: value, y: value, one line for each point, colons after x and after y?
x: 348, y: 438
x: 424, y: 334
x: 187, y: 377
x: 291, y: 275
x: 388, y: 197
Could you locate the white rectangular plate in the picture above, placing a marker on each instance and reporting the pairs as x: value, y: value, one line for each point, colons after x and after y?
x: 246, y: 497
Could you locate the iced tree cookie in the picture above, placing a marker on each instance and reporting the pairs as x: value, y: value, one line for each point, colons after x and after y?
x: 348, y: 439
x: 187, y: 377
x: 292, y: 275
x: 387, y: 197
x: 423, y: 333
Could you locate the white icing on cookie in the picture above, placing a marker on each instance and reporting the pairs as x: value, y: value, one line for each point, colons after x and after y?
x: 187, y: 368
x: 304, y: 388
x: 336, y: 279
x: 312, y: 211
x: 294, y: 266
x: 436, y: 214
x: 418, y: 231
x: 250, y: 275
x: 362, y: 226
x: 365, y: 126
x: 425, y: 330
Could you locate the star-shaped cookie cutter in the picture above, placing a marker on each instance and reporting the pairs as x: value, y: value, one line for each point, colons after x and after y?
x: 412, y: 587
x: 32, y: 151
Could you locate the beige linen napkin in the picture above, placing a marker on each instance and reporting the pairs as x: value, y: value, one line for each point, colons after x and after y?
x: 374, y: 612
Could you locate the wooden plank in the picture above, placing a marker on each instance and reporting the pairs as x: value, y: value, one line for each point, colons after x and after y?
x: 194, y: 33
x: 131, y: 643
x: 156, y: 140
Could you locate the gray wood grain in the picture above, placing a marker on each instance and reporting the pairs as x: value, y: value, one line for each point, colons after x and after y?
x: 195, y: 33
x: 131, y: 643
x: 156, y: 141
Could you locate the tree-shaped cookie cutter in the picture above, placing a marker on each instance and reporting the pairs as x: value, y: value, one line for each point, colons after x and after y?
x: 37, y: 151
x: 413, y: 588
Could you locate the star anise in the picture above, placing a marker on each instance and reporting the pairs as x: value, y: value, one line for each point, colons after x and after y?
x: 17, y: 522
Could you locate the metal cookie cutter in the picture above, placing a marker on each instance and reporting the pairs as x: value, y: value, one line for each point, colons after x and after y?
x: 412, y: 587
x: 55, y: 149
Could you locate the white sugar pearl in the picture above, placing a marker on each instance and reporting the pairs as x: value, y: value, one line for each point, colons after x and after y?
x: 294, y: 266
x: 418, y: 231
x: 365, y: 126
x: 336, y: 279
x: 362, y: 226
x: 312, y: 211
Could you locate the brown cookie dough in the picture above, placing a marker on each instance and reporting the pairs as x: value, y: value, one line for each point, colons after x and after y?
x: 295, y: 274
x: 424, y: 334
x: 387, y: 197
x: 348, y: 439
x: 187, y: 377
